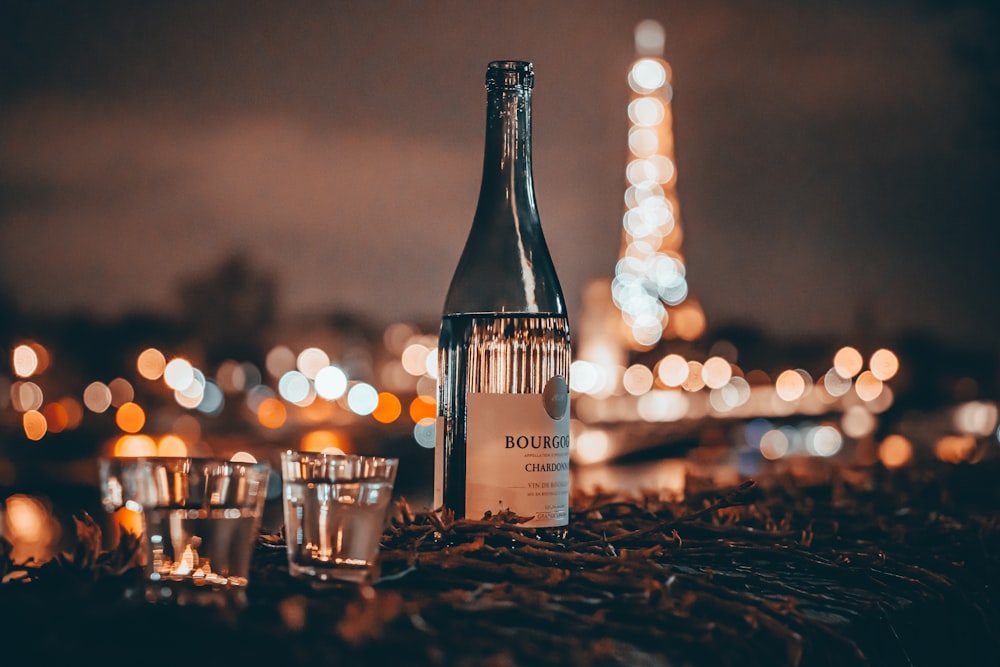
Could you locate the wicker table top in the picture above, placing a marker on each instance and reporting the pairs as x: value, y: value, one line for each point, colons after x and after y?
x: 860, y: 567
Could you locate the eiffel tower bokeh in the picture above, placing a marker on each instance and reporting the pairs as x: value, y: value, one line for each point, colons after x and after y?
x: 647, y: 300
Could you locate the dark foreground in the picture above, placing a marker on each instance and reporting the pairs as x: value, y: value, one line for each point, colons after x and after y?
x: 846, y: 567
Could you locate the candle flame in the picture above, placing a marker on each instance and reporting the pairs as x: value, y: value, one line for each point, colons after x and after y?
x: 187, y: 562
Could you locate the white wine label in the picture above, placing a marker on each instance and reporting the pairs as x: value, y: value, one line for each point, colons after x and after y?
x: 518, y: 456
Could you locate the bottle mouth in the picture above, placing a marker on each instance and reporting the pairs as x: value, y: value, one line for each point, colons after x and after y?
x: 510, y: 73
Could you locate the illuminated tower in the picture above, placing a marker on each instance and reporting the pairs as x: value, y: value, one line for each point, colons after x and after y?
x: 650, y: 287
x: 647, y: 300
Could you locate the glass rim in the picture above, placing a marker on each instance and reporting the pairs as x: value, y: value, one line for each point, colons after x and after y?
x: 300, y: 455
x: 196, y: 460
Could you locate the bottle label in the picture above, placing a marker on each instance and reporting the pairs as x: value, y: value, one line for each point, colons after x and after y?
x: 439, y: 462
x: 518, y: 455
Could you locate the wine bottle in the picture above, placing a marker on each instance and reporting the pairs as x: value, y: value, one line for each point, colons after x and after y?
x: 503, y: 437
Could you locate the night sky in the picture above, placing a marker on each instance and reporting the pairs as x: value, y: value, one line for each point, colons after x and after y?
x: 836, y: 160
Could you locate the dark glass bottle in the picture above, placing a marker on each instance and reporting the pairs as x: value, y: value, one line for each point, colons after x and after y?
x: 504, y: 349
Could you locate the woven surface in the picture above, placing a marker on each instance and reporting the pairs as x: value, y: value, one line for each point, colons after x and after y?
x: 858, y: 567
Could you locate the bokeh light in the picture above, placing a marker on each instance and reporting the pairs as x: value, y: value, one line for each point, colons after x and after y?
x: 673, y: 370
x: 694, y: 380
x: 388, y: 409
x: 646, y: 111
x: 130, y: 417
x: 867, y: 386
x: 35, y: 425
x: 279, y: 360
x: 397, y: 335
x: 716, y: 372
x: 790, y: 385
x: 735, y: 393
x: 425, y: 433
x: 171, y: 445
x: 414, y: 358
x: 774, y: 444
x: 294, y: 387
x: 883, y: 364
x: 121, y: 392
x: 25, y: 395
x: 24, y: 361
x: 132, y: 445
x: 647, y: 75
x: 56, y: 417
x: 858, y: 421
x: 755, y: 430
x: 151, y: 363
x: 322, y: 440
x: 271, y: 413
x: 311, y: 360
x: 975, y: 418
x: 212, y: 400
x: 178, y: 374
x: 955, y: 448
x: 637, y: 379
x: 848, y: 361
x: 362, y: 399
x: 836, y: 384
x: 824, y: 441
x: 331, y: 383
x: 422, y: 407
x: 591, y: 446
x: 895, y: 451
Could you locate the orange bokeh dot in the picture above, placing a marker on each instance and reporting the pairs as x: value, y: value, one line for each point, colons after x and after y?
x: 895, y: 451
x: 171, y: 445
x: 422, y: 407
x: 388, y: 409
x: 130, y: 417
x: 955, y: 448
x: 42, y: 355
x: 35, y: 425
x: 56, y: 416
x: 317, y: 441
x: 74, y: 411
x: 271, y: 413
x: 135, y: 445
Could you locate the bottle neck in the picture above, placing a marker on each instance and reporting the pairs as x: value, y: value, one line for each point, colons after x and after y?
x: 507, y: 176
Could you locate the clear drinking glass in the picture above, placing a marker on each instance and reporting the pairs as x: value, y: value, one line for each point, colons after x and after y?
x: 335, y: 508
x: 199, y: 520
